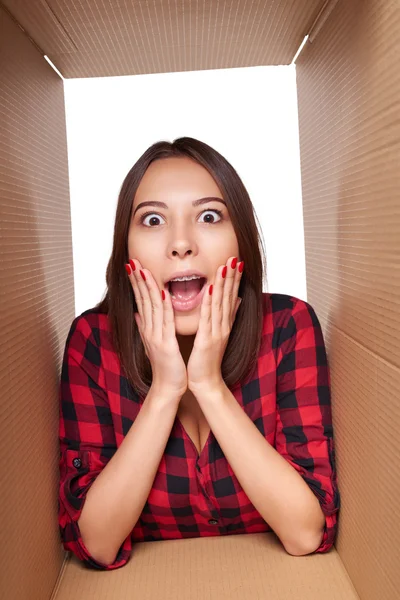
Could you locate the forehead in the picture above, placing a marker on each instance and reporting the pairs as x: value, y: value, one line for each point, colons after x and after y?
x: 169, y: 178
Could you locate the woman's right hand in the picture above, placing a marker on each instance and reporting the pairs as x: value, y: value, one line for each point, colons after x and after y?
x: 156, y: 324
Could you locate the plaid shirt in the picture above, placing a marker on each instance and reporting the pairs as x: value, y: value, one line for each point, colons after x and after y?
x: 194, y: 496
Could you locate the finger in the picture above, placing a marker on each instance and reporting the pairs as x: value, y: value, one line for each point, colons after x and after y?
x: 216, y: 302
x: 238, y: 303
x: 236, y: 283
x: 142, y: 287
x: 154, y: 303
x: 169, y: 317
x: 205, y: 312
x: 163, y: 319
x: 138, y: 285
x: 130, y: 268
x: 228, y: 301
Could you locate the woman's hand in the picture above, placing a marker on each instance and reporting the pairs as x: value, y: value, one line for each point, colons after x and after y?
x: 156, y: 324
x: 217, y: 315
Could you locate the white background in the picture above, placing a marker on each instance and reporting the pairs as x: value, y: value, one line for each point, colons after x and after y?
x: 248, y: 114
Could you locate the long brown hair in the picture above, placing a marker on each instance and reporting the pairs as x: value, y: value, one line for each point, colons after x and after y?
x: 240, y: 358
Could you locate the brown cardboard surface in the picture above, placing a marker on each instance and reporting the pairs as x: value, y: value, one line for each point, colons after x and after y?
x: 348, y: 82
x: 99, y: 39
x: 349, y: 109
x: 37, y: 307
x: 229, y: 567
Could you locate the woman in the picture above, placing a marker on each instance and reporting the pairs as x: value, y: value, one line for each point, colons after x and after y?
x: 193, y: 408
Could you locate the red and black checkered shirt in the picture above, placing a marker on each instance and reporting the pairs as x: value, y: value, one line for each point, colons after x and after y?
x: 288, y: 400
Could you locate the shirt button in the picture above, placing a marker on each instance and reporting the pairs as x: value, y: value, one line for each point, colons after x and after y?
x: 77, y: 463
x: 213, y: 521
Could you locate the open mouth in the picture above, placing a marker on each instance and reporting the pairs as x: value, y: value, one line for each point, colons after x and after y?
x: 184, y: 290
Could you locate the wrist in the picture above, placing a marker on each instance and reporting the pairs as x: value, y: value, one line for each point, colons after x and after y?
x: 207, y: 389
x: 162, y: 394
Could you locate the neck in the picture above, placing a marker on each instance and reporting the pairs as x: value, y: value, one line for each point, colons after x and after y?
x: 185, y: 346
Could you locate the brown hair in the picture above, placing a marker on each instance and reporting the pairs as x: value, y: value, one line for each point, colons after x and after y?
x: 240, y: 358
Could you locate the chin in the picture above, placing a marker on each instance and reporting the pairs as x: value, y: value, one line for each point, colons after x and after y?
x: 186, y: 324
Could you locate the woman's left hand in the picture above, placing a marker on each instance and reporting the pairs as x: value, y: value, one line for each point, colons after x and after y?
x: 217, y: 314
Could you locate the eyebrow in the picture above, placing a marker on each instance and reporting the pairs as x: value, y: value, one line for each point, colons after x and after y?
x: 163, y: 205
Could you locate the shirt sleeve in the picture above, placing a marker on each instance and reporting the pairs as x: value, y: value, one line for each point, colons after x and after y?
x: 86, y: 436
x: 304, y: 430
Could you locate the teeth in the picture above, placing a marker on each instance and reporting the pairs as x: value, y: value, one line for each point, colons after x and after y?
x: 186, y: 278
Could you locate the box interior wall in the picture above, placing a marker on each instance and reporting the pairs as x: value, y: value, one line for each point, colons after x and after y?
x: 349, y: 105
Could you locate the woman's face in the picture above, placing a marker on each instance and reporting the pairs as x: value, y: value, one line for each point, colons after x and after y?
x: 180, y: 236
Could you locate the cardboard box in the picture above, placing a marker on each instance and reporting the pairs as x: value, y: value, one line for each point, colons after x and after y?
x: 348, y: 89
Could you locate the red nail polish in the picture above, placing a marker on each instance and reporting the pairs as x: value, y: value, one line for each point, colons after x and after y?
x: 163, y: 294
x: 132, y: 263
x: 224, y: 272
x: 241, y: 267
x: 128, y: 269
x: 143, y: 275
x: 210, y: 290
x: 233, y: 264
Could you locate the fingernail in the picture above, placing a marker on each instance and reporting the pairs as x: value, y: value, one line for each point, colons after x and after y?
x: 128, y: 269
x: 241, y: 267
x: 210, y: 290
x: 163, y: 294
x: 224, y: 272
x: 233, y: 263
x: 132, y: 264
x: 143, y: 275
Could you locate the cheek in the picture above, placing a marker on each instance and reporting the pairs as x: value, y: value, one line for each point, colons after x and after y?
x: 140, y: 252
x: 223, y: 247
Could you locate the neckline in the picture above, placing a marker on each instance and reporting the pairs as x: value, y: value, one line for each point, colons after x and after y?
x: 185, y: 433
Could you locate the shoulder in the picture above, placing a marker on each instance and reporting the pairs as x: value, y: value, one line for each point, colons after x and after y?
x: 91, y: 325
x: 279, y: 308
x: 288, y: 320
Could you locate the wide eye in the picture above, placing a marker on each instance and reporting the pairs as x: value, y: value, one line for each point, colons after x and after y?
x: 211, y: 210
x: 153, y: 215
